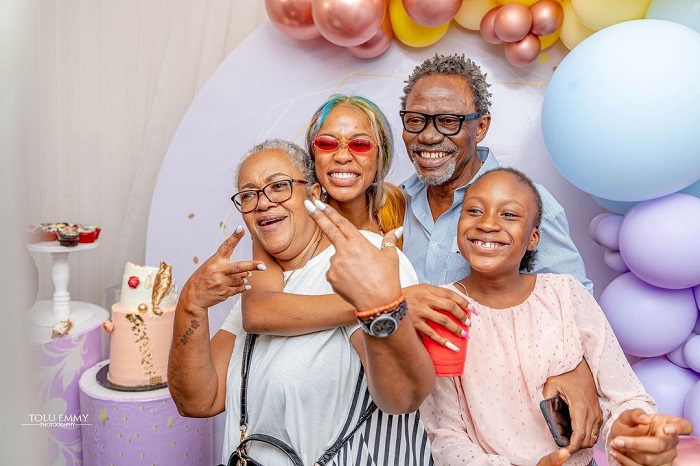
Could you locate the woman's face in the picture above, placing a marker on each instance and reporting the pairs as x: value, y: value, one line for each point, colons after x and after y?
x: 497, y: 223
x: 345, y: 174
x: 283, y: 229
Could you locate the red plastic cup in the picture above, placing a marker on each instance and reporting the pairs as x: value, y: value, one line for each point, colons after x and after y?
x: 447, y: 363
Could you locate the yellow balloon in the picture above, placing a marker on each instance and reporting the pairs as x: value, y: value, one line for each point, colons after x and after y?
x: 411, y: 33
x: 524, y: 2
x: 599, y: 14
x: 471, y: 12
x: 548, y: 41
x: 572, y: 31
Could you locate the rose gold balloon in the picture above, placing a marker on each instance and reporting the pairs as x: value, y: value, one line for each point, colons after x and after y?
x: 512, y: 22
x: 348, y: 22
x: 486, y: 27
x: 547, y: 17
x: 378, y: 44
x: 523, y: 52
x: 293, y: 17
x: 431, y: 12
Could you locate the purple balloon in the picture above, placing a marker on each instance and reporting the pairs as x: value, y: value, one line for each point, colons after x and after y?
x: 648, y: 321
x: 676, y: 356
x: 659, y: 241
x: 691, y: 407
x: 594, y: 223
x: 691, y: 353
x: 607, y: 232
x: 613, y: 259
x: 696, y: 292
x: 667, y: 383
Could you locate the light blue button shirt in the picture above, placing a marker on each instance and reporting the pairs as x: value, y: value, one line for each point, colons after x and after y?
x: 432, y: 246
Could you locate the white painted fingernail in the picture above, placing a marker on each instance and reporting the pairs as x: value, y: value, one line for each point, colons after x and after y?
x: 309, y: 206
x: 467, y: 322
x: 245, y: 280
x: 250, y: 274
x: 261, y: 267
x: 399, y: 232
x: 320, y: 205
x: 239, y: 229
x: 247, y: 287
x: 452, y: 346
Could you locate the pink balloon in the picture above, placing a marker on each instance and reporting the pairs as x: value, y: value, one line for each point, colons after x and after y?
x: 486, y: 27
x: 348, y: 22
x: 547, y: 17
x: 525, y: 51
x: 512, y: 22
x: 293, y: 17
x: 378, y: 44
x: 688, y: 448
x: 431, y: 12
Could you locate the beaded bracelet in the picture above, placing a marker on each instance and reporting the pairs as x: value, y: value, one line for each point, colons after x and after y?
x: 382, y: 309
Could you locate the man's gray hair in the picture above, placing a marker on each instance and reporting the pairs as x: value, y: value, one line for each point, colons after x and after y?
x: 456, y: 65
x: 297, y: 155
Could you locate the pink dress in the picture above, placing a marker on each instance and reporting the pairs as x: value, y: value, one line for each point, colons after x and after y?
x: 491, y: 414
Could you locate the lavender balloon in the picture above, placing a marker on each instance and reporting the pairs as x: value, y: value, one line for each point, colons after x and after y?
x: 594, y: 223
x: 667, y: 383
x: 613, y: 259
x: 648, y: 321
x: 691, y: 410
x: 607, y: 232
x: 691, y: 353
x: 676, y: 356
x: 659, y: 241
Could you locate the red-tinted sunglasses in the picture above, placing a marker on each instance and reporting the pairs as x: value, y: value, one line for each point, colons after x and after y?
x: 329, y: 143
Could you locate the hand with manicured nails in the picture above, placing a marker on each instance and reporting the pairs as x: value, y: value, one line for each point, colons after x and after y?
x: 363, y: 275
x: 217, y: 279
x: 423, y: 299
x: 641, y: 439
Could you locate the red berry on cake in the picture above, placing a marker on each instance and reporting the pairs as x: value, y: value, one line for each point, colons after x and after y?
x: 133, y: 282
x: 108, y: 326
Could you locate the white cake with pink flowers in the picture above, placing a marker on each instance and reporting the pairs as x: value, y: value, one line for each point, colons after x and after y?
x: 141, y: 327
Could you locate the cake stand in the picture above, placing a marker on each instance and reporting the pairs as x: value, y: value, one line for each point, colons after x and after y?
x: 48, y: 313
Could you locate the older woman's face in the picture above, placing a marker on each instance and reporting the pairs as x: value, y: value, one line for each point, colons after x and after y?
x: 283, y: 229
x: 347, y: 175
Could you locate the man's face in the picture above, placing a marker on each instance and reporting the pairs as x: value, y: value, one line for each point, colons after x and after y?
x: 283, y: 229
x: 439, y: 159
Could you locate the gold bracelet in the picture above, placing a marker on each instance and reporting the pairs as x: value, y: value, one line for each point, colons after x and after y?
x: 381, y: 309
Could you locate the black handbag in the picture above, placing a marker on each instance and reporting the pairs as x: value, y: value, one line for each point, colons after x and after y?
x: 240, y: 455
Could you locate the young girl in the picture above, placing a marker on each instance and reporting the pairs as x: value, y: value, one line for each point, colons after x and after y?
x: 528, y: 328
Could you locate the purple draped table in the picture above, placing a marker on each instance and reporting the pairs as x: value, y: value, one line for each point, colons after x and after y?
x: 139, y: 428
x: 58, y: 365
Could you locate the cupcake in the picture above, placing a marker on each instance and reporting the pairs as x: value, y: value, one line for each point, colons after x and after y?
x: 86, y: 234
x: 49, y: 231
x: 32, y: 234
x: 68, y: 236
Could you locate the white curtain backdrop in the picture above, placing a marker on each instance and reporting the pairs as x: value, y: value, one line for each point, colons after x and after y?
x: 106, y: 84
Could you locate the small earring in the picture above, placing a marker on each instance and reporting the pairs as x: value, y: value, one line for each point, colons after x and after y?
x: 324, y: 194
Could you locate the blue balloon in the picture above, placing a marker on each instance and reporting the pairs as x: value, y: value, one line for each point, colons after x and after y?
x: 693, y: 189
x: 686, y: 12
x: 616, y: 207
x: 620, y: 113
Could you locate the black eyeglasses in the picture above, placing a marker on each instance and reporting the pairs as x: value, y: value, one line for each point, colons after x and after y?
x: 277, y: 191
x: 447, y: 124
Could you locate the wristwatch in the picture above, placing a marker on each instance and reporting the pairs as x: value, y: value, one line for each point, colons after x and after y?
x: 384, y: 324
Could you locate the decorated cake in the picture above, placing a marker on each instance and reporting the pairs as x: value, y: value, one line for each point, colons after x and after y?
x: 141, y: 327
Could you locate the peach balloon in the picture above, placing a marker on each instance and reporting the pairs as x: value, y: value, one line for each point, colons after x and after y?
x: 547, y: 17
x: 523, y: 52
x: 512, y: 22
x: 293, y: 17
x: 431, y: 12
x: 487, y: 27
x: 348, y: 22
x: 471, y: 13
x: 378, y: 44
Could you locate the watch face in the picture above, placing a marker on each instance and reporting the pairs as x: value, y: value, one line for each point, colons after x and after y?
x: 383, y: 326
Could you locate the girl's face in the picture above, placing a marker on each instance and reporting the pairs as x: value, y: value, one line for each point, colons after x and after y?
x: 344, y: 173
x: 496, y: 226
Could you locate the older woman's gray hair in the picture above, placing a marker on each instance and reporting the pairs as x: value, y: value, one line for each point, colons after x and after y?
x: 298, y: 156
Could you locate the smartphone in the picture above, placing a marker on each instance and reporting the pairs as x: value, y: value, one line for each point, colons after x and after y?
x: 556, y: 413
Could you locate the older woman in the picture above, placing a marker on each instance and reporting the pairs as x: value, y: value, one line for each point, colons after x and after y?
x: 306, y: 391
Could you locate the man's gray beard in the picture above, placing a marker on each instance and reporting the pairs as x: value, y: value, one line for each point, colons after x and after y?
x: 436, y: 180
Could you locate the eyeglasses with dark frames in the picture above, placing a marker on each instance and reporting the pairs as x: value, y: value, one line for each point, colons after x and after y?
x: 447, y: 124
x: 276, y: 192
x: 357, y: 145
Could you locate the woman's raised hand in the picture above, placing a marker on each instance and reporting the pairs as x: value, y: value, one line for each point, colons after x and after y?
x: 363, y: 275
x: 217, y: 279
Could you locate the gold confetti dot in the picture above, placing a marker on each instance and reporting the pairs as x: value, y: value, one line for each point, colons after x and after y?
x: 142, y: 456
x: 190, y: 215
x: 543, y: 58
x: 136, y: 435
x: 141, y: 408
x: 128, y: 440
x: 173, y: 443
x: 221, y: 224
x: 125, y: 419
x: 195, y: 259
x: 119, y: 436
x: 121, y: 453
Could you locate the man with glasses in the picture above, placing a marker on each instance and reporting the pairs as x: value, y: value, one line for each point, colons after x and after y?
x: 445, y: 114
